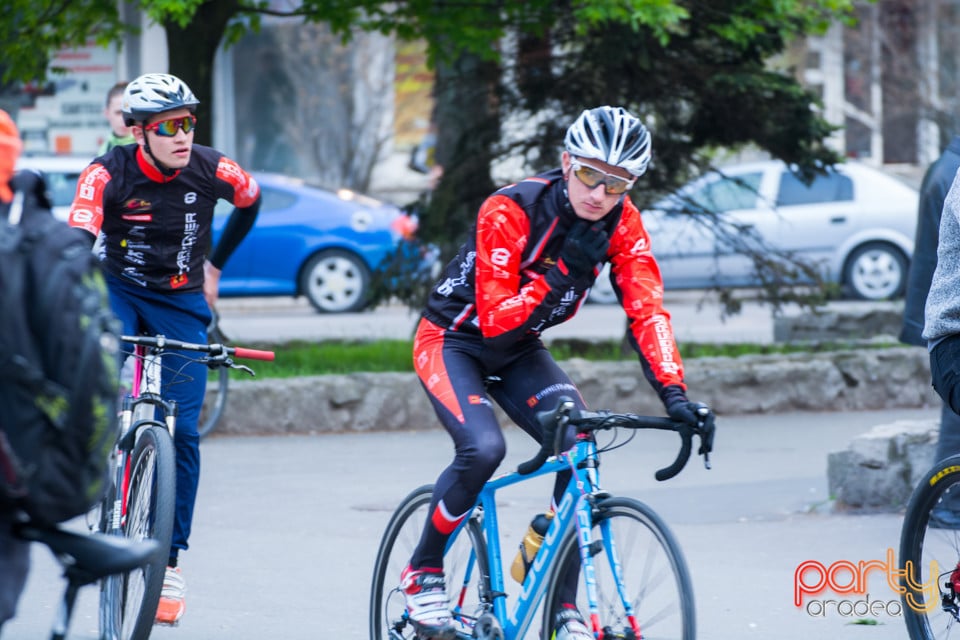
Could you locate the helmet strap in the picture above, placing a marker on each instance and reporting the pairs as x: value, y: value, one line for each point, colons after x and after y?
x: 164, y: 169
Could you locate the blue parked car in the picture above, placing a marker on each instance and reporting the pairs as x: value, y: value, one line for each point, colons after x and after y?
x: 312, y: 242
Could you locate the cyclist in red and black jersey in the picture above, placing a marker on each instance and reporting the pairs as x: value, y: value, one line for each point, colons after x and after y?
x: 153, y: 204
x: 528, y: 263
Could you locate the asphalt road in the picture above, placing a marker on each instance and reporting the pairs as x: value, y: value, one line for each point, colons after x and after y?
x: 287, y: 529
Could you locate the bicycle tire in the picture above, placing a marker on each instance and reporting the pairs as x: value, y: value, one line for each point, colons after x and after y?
x: 128, y: 603
x: 922, y: 544
x: 469, y: 599
x: 215, y: 400
x: 649, y: 556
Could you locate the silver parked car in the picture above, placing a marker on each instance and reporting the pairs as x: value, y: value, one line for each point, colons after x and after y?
x: 856, y: 225
x: 61, y: 174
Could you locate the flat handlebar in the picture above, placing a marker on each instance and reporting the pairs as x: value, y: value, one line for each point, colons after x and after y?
x: 586, y: 421
x: 161, y: 342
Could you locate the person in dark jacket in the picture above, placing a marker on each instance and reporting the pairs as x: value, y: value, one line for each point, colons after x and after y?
x: 933, y: 191
x: 14, y: 553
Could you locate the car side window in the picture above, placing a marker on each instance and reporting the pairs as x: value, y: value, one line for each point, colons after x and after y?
x: 833, y: 187
x: 729, y: 193
x: 62, y: 187
x: 273, y: 199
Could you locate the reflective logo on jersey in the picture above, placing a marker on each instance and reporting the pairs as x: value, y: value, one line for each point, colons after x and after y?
x: 81, y: 216
x: 136, y: 205
x: 139, y: 217
x: 500, y: 256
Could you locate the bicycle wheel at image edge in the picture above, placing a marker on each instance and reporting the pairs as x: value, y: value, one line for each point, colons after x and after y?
x: 465, y: 568
x: 215, y: 399
x: 214, y: 402
x: 128, y: 603
x: 655, y: 576
x: 930, y: 554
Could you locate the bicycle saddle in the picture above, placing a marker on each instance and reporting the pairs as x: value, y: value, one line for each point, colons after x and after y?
x: 89, y: 556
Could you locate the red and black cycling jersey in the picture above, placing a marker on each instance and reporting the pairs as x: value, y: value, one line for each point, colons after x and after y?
x: 505, y: 285
x: 157, y: 229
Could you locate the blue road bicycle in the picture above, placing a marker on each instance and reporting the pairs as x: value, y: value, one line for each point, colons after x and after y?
x: 632, y: 579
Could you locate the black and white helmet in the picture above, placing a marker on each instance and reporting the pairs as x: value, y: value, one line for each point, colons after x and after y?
x: 611, y: 135
x: 155, y: 93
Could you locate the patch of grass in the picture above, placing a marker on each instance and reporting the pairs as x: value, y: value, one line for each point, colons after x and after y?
x: 302, y: 358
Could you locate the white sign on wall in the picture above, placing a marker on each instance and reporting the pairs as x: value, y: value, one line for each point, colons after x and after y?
x: 65, y: 115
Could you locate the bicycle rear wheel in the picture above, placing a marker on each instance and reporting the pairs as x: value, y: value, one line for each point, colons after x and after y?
x: 465, y: 567
x: 628, y: 537
x: 930, y: 554
x: 216, y: 398
x: 128, y: 603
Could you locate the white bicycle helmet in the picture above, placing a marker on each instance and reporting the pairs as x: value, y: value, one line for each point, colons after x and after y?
x: 611, y: 135
x: 155, y: 93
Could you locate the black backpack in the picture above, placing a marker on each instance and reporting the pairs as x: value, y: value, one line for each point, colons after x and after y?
x: 58, y: 362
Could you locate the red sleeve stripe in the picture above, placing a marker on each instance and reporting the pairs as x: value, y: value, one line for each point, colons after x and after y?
x: 463, y: 315
x: 538, y: 249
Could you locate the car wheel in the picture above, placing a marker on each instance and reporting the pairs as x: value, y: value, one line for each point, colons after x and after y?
x: 335, y: 281
x: 876, y: 271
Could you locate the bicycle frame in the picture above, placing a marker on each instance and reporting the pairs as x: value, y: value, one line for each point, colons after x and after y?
x: 574, y: 510
x: 137, y: 412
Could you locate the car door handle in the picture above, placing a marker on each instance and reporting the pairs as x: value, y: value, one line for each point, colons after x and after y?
x: 838, y: 219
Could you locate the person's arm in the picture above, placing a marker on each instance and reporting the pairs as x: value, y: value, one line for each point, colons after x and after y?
x: 86, y: 212
x: 239, y: 187
x: 651, y: 334
x: 238, y: 225
x: 505, y: 310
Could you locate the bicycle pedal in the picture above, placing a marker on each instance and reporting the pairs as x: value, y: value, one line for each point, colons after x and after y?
x: 487, y: 628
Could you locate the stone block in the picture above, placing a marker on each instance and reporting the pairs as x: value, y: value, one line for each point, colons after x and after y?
x: 880, y: 468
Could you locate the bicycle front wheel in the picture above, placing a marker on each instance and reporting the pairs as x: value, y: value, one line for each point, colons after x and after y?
x: 464, y: 564
x: 641, y: 581
x: 128, y: 603
x: 930, y: 554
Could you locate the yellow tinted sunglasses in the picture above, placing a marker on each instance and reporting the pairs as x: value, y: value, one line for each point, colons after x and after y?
x: 591, y: 177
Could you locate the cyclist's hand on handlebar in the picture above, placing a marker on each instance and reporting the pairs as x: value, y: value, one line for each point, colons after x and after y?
x: 678, y: 407
x: 708, y: 427
x: 696, y: 414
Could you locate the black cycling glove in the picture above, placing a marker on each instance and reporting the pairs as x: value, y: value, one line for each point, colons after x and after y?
x: 682, y: 410
x: 585, y: 246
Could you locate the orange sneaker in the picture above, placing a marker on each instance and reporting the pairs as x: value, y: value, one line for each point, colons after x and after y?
x: 172, y: 603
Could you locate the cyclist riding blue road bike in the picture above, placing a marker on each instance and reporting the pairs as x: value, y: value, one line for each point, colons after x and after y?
x: 153, y: 203
x: 528, y: 264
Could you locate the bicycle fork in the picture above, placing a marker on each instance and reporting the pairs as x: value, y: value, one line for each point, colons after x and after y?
x: 588, y: 512
x: 135, y: 414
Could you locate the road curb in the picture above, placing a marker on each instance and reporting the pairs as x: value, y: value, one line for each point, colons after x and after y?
x: 866, y: 379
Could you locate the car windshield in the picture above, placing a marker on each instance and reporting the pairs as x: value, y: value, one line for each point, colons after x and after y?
x: 715, y: 193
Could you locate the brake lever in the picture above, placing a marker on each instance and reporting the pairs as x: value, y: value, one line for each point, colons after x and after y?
x: 706, y: 439
x: 242, y: 367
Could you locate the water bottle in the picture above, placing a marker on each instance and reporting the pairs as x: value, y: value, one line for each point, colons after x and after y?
x: 530, y: 545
